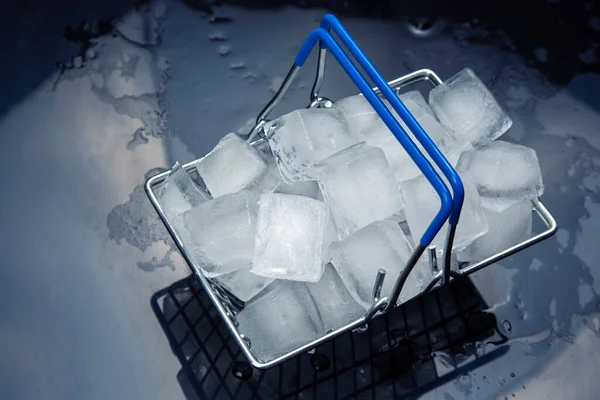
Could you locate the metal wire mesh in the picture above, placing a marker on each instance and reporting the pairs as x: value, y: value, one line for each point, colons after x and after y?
x: 418, y: 346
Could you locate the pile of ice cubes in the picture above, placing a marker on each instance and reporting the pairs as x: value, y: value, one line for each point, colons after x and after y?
x: 297, y: 228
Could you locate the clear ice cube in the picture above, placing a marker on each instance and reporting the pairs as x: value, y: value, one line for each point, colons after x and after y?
x: 291, y: 237
x: 422, y: 204
x: 381, y: 244
x: 505, y: 174
x: 336, y: 305
x: 466, y: 106
x: 233, y: 165
x: 506, y: 229
x: 280, y: 319
x: 179, y: 193
x: 243, y: 284
x: 219, y: 234
x: 303, y: 138
x: 359, y: 188
x: 403, y: 167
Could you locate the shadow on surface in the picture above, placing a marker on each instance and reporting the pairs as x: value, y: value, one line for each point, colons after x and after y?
x: 421, y: 345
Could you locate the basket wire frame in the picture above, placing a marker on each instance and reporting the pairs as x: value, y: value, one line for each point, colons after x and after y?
x: 223, y: 301
x: 407, y: 351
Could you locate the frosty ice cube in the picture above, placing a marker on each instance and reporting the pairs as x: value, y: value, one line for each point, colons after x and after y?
x: 300, y: 188
x: 220, y: 233
x: 422, y: 203
x: 336, y: 305
x: 357, y: 111
x: 505, y: 174
x: 243, y: 284
x: 179, y: 193
x: 302, y: 138
x: 359, y: 188
x: 383, y: 245
x: 291, y: 237
x: 506, y: 229
x: 280, y: 319
x: 416, y: 97
x: 403, y: 167
x: 465, y: 105
x: 231, y: 166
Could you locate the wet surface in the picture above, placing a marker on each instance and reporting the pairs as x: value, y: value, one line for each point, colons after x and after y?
x: 83, y: 251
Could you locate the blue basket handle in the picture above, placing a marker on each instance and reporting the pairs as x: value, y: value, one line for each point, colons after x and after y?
x: 327, y: 41
x: 330, y: 21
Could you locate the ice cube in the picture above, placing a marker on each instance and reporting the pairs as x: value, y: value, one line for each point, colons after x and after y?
x: 359, y: 188
x: 233, y: 165
x: 465, y: 105
x: 219, y: 234
x: 381, y: 244
x: 280, y: 319
x: 243, y: 284
x: 416, y: 97
x: 336, y: 305
x: 179, y: 193
x: 506, y: 229
x: 422, y: 203
x: 403, y: 167
x: 302, y: 138
x: 308, y: 188
x: 358, y: 112
x: 291, y: 237
x: 300, y: 188
x: 505, y: 174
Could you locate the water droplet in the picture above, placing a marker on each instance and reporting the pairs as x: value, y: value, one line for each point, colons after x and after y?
x: 507, y: 326
x: 224, y: 50
x: 423, y: 27
x: 320, y: 362
x: 242, y: 370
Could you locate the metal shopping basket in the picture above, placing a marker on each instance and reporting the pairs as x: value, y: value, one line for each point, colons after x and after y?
x: 451, y: 202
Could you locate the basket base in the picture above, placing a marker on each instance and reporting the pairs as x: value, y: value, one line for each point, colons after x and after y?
x: 413, y: 349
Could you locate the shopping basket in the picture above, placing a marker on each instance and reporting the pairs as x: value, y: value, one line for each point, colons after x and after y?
x: 451, y: 201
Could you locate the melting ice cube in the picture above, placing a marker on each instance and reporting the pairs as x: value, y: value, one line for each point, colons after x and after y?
x: 234, y: 165
x: 280, y: 319
x: 179, y: 193
x: 422, y: 203
x: 358, y: 112
x: 383, y: 245
x: 402, y: 165
x: 243, y: 284
x: 505, y: 174
x: 416, y: 97
x: 465, y: 105
x: 291, y: 237
x: 506, y: 229
x: 359, y: 188
x: 220, y: 233
x: 336, y: 305
x: 302, y: 138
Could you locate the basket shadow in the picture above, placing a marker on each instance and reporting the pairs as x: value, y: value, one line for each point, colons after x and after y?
x: 417, y: 347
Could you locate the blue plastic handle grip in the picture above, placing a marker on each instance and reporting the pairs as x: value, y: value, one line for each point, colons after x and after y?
x: 330, y: 21
x: 328, y: 42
